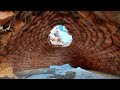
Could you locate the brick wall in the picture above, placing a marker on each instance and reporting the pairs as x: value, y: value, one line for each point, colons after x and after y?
x: 95, y: 42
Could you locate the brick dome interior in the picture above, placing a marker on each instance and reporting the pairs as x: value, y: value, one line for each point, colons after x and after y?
x: 95, y: 44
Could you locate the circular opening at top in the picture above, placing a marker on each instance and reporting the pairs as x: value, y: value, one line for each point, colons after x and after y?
x: 59, y: 36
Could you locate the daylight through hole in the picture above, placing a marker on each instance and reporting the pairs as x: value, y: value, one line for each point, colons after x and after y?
x: 59, y: 36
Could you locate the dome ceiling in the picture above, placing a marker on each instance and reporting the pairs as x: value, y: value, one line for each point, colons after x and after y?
x: 95, y: 45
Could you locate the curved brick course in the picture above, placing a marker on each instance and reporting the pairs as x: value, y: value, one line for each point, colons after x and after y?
x: 95, y: 42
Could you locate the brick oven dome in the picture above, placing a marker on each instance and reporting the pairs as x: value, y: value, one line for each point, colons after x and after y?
x: 95, y: 44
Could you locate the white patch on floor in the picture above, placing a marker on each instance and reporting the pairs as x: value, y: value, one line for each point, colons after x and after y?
x: 63, y: 72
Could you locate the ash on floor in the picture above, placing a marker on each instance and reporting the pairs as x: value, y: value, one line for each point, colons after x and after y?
x: 63, y: 72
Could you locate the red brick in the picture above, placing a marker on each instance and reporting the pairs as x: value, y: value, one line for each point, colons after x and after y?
x: 17, y: 44
x: 52, y: 16
x: 36, y: 19
x: 31, y: 39
x: 107, y: 35
x: 91, y: 17
x: 18, y: 26
x: 87, y: 42
x: 90, y: 29
x: 19, y: 48
x: 94, y: 39
x: 100, y: 14
x: 104, y: 45
x: 114, y: 48
x: 100, y: 35
x: 95, y: 28
x: 103, y: 28
x: 28, y: 35
x: 51, y: 13
x: 5, y: 16
x: 67, y: 21
x: 110, y: 55
x: 108, y: 50
x: 45, y: 19
x: 70, y: 19
x: 27, y: 41
x: 37, y: 23
x: 84, y: 21
x: 84, y: 13
x: 109, y: 14
x: 112, y: 28
x: 46, y: 13
x: 73, y: 26
x: 34, y: 31
x: 46, y: 23
x: 11, y: 49
x: 31, y: 28
x: 102, y: 52
x: 108, y: 41
x: 116, y: 40
x: 98, y: 41
x: 3, y: 59
x: 58, y: 18
x: 29, y: 46
x: 24, y: 35
x: 53, y: 24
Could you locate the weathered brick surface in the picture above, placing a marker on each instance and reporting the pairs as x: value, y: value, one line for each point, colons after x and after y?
x: 5, y: 16
x: 95, y: 46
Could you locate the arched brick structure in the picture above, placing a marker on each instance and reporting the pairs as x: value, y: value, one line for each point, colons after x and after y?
x: 95, y: 44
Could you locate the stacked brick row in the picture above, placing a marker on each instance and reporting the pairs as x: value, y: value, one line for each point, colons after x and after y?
x: 95, y: 44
